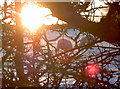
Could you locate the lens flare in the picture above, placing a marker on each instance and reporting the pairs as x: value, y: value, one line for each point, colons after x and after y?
x: 92, y: 69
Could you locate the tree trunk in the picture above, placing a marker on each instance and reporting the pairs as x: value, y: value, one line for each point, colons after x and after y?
x: 19, y: 44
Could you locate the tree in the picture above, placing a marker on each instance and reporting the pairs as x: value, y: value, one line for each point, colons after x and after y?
x: 67, y: 12
x: 46, y: 67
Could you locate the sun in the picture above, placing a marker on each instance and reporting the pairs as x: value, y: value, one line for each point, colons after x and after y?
x: 34, y: 16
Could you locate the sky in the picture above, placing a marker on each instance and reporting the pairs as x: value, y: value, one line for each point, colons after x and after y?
x: 73, y: 33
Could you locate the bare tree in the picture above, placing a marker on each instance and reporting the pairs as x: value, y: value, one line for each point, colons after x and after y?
x: 71, y: 14
x: 45, y: 67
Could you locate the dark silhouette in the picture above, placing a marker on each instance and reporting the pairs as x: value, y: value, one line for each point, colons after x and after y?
x: 110, y: 25
x: 36, y: 63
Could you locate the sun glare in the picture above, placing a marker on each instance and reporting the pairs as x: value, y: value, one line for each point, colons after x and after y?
x: 34, y: 16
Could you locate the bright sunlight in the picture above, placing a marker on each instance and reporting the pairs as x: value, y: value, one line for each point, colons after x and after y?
x: 34, y: 16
